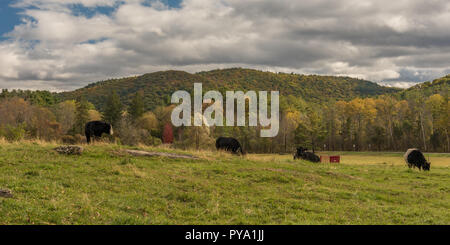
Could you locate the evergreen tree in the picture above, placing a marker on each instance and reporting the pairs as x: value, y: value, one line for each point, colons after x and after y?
x: 136, y: 109
x: 113, y: 110
x: 81, y: 115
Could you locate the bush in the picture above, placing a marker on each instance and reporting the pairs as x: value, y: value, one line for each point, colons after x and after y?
x: 68, y: 139
x: 150, y: 140
x: 129, y: 134
x: 16, y: 133
x: 73, y: 139
x: 157, y: 141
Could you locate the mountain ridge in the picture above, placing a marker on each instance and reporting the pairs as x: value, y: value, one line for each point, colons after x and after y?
x: 428, y: 88
x: 159, y: 86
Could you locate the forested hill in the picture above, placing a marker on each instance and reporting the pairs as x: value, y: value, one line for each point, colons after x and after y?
x: 312, y: 88
x: 440, y: 85
x: 159, y: 86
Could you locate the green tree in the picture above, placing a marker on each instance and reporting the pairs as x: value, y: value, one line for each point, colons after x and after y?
x: 310, y: 130
x: 136, y: 108
x: 113, y: 110
x: 81, y: 115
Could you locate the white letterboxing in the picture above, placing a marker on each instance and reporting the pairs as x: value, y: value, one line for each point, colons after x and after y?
x: 213, y: 115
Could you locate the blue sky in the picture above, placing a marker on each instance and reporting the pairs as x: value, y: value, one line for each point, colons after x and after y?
x: 10, y: 16
x: 66, y: 44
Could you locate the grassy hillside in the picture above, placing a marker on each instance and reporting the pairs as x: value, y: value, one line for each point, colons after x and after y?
x: 105, y: 186
x: 159, y: 86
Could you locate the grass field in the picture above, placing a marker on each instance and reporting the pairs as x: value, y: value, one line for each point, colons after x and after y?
x: 107, y: 186
x: 370, y: 158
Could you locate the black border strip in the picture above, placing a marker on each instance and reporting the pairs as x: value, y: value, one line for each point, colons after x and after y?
x: 271, y: 233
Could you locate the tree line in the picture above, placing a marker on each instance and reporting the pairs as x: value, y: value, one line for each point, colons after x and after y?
x: 383, y: 123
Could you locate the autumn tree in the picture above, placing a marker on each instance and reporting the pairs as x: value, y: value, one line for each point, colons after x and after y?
x: 437, y: 105
x: 311, y: 129
x: 386, y: 110
x: 197, y: 137
x: 417, y: 104
x: 167, y: 137
x: 290, y: 120
x: 163, y: 115
x: 42, y: 124
x: 65, y: 114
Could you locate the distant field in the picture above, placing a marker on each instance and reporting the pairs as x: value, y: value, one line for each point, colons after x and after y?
x: 371, y: 158
x: 107, y: 186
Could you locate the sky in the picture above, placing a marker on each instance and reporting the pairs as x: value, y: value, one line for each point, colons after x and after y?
x: 61, y: 45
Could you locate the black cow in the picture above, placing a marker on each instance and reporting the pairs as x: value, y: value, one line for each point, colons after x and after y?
x: 300, y: 151
x: 306, y: 155
x: 414, y: 158
x: 96, y: 129
x: 229, y: 144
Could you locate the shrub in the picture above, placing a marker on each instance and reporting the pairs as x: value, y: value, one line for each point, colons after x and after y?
x: 16, y: 133
x: 68, y: 139
x: 129, y: 134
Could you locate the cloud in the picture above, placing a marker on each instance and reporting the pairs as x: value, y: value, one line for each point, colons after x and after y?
x: 58, y: 48
x: 58, y: 4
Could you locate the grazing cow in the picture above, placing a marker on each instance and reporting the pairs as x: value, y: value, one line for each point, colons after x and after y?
x: 414, y: 158
x: 96, y: 129
x: 229, y: 144
x: 306, y: 155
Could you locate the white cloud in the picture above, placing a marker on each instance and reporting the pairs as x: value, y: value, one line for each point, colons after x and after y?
x: 399, y: 23
x: 61, y: 3
x: 9, y: 60
x: 55, y: 48
x: 399, y: 84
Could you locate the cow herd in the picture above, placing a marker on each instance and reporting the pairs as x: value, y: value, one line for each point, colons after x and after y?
x: 413, y: 157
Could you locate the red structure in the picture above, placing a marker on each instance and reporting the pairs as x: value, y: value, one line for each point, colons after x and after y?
x: 330, y: 159
x: 335, y: 159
